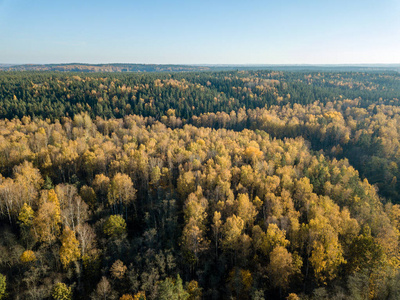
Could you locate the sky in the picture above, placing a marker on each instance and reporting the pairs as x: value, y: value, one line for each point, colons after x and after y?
x: 200, y: 32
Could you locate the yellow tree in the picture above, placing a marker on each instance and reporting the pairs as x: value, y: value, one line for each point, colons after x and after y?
x: 53, y: 198
x: 100, y: 184
x: 121, y: 191
x: 69, y: 250
x: 216, y: 227
x: 47, y: 221
x: 28, y: 181
x: 27, y: 256
x: 275, y: 237
x: 327, y: 252
x: 282, y: 266
x: 233, y: 239
x: 195, y: 207
x: 193, y: 240
x: 245, y: 209
x: 26, y: 216
x: 126, y: 297
x: 265, y: 242
x: 232, y: 230
x: 139, y: 296
x: 186, y: 184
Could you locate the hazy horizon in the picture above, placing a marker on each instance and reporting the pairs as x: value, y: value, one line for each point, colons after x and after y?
x: 205, y: 64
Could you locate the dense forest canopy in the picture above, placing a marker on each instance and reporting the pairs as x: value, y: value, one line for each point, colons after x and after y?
x: 201, y: 185
x: 108, y: 95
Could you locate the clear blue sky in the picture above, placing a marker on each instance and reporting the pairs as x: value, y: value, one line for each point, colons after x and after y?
x: 200, y: 32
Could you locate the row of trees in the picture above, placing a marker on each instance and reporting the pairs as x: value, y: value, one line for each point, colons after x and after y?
x: 55, y: 95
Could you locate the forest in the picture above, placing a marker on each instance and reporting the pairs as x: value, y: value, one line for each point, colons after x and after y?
x: 247, y: 184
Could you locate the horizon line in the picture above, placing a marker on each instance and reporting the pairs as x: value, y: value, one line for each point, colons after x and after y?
x: 204, y: 64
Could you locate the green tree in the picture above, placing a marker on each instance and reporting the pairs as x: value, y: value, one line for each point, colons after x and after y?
x: 365, y: 253
x: 170, y: 289
x: 115, y: 226
x: 240, y: 282
x: 61, y: 292
x: 3, y: 286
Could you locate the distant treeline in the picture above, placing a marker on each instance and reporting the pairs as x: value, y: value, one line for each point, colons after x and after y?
x: 125, y: 67
x: 109, y: 95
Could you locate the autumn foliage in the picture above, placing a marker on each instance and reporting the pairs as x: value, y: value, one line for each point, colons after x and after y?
x: 131, y: 196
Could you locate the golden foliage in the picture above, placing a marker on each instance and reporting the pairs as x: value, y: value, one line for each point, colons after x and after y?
x: 69, y: 250
x: 27, y: 256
